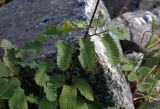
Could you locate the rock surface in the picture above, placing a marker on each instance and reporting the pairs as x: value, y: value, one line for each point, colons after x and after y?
x: 138, y: 24
x: 22, y: 21
x: 116, y: 6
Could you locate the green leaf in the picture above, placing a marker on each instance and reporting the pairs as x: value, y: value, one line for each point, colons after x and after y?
x: 158, y: 74
x: 81, y: 104
x: 58, y: 80
x: 33, y: 46
x: 64, y: 54
x: 153, y: 24
x: 150, y: 105
x: 143, y: 87
x: 84, y: 88
x: 68, y: 97
x: 100, y: 21
x: 45, y: 104
x: 50, y: 64
x: 4, y: 71
x: 111, y: 49
x: 6, y: 44
x: 87, y: 55
x: 143, y: 71
x: 7, y: 87
x: 32, y: 64
x: 133, y: 76
x: 51, y: 92
x: 32, y: 99
x: 52, y: 30
x: 18, y: 100
x: 127, y: 67
x: 120, y: 32
x: 41, y: 76
x: 10, y: 61
x: 67, y: 27
x: 80, y: 23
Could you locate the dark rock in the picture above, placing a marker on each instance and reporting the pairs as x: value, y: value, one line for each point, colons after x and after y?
x: 117, y: 7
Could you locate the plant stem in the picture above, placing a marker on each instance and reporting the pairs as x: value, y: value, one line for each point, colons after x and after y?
x: 88, y: 27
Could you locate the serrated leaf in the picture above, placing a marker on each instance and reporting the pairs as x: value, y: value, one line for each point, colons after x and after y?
x: 81, y: 104
x: 68, y: 97
x: 52, y: 30
x: 10, y: 61
x: 7, y: 87
x: 100, y: 21
x: 45, y: 104
x: 58, y: 80
x: 6, y: 44
x: 87, y: 56
x: 84, y: 88
x: 41, y: 76
x: 33, y: 46
x: 67, y: 27
x: 18, y: 100
x: 79, y: 23
x: 64, y: 54
x: 51, y: 92
x: 119, y: 31
x: 4, y: 71
x: 111, y: 49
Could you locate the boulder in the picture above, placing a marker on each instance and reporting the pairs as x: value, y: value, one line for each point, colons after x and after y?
x: 117, y: 7
x: 139, y: 25
x: 22, y: 21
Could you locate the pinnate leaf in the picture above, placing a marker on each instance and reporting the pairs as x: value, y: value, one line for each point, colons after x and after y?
x: 111, y: 49
x: 64, y: 54
x: 87, y: 55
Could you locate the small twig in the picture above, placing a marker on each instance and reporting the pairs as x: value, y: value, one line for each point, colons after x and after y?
x: 99, y: 33
x: 88, y: 27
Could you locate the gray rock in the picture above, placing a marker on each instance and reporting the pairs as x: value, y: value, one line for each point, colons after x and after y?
x: 149, y: 4
x: 138, y: 24
x: 116, y: 6
x: 22, y: 21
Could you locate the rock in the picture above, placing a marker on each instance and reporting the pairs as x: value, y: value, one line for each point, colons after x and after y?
x: 116, y: 7
x: 149, y: 4
x: 138, y: 24
x: 22, y: 21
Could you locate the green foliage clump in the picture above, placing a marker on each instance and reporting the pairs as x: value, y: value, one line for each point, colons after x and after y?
x: 54, y: 88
